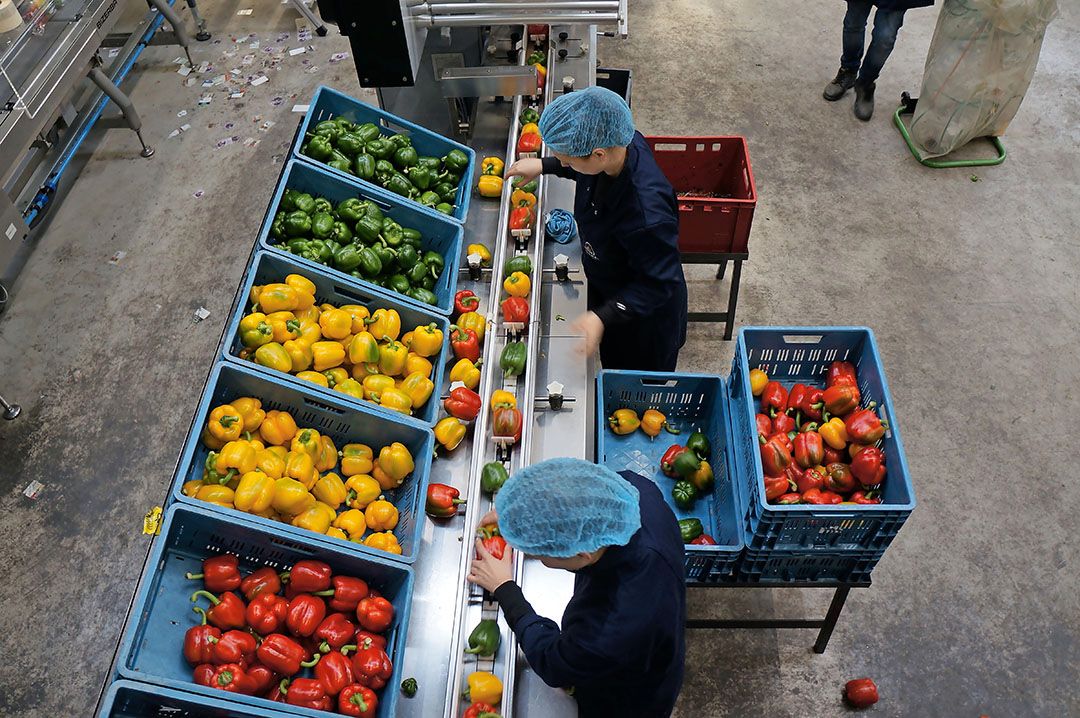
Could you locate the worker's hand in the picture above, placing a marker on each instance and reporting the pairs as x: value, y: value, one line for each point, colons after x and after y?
x: 489, y: 572
x: 527, y: 169
x: 491, y: 517
x: 592, y: 330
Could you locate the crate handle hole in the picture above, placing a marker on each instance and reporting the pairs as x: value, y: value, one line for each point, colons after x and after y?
x: 802, y: 338
x: 660, y: 382
x: 669, y: 147
x: 350, y: 294
x: 382, y: 204
x: 700, y: 148
x: 323, y: 407
x: 716, y: 146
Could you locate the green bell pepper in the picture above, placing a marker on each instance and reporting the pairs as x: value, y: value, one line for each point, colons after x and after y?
x: 380, y: 149
x: 485, y: 638
x: 347, y: 258
x: 344, y: 122
x: 423, y: 295
x: 399, y: 141
x: 412, y: 237
x: 387, y: 257
x: 341, y: 165
x: 416, y: 272
x: 456, y: 161
x: 370, y: 265
x: 419, y: 176
x: 530, y: 186
x: 304, y: 202
x: 444, y: 208
x: 686, y: 464
x: 446, y: 191
x: 405, y: 157
x: 512, y: 359
x: 699, y: 444
x: 328, y: 129
x: 372, y: 210
x: 364, y: 166
x: 318, y: 148
x: 323, y: 205
x: 432, y: 163
x: 367, y: 132
x: 399, y: 283
x: 407, y: 255
x: 392, y: 233
x: 400, y: 184
x: 288, y: 200
x: 429, y: 199
x: 492, y: 478
x: 298, y: 246
x: 323, y: 250
x: 435, y: 261
x: 428, y: 282
x: 368, y: 229
x: 518, y: 263
x: 690, y: 529
x: 350, y: 210
x: 383, y: 171
x: 322, y: 225
x: 529, y: 116
x: 277, y: 227
x: 297, y: 224
x: 684, y: 494
x: 341, y: 234
x: 350, y: 144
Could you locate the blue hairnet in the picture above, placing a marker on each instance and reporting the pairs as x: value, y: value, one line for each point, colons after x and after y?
x: 561, y: 507
x: 579, y: 122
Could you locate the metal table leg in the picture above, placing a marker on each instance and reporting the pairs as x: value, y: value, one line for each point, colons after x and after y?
x: 733, y: 299
x: 831, y: 617
x: 11, y: 411
x: 302, y: 8
x: 201, y: 33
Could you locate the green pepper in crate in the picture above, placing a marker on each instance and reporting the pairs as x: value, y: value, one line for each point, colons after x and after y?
x: 416, y: 273
x: 344, y: 122
x: 341, y: 234
x: 372, y: 210
x: 304, y: 203
x: 428, y: 283
x: 392, y: 233
x: 297, y: 224
x: 277, y: 227
x: 298, y: 246
x: 429, y: 199
x: 318, y: 148
x: 288, y: 200
x: 456, y: 161
x: 399, y: 283
x: 322, y: 225
x: 412, y: 237
x: 444, y: 208
x: 350, y: 210
x: 435, y: 261
x: 405, y: 157
x: 400, y: 184
x: 690, y: 529
x: 420, y: 176
x: 340, y: 165
x: 684, y: 494
x: 367, y: 132
x: 322, y: 250
x: 350, y: 144
x: 699, y: 444
x: 387, y: 257
x: 347, y: 258
x: 432, y: 163
x: 368, y: 229
x: 380, y: 149
x: 329, y: 129
x: 399, y: 141
x: 370, y: 264
x: 423, y: 295
x: 407, y: 256
x: 446, y: 191
x: 323, y: 205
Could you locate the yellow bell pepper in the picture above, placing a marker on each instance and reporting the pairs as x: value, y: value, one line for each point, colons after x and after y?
x: 255, y: 330
x: 306, y: 441
x: 284, y: 325
x: 384, y: 541
x: 345, y: 342
x: 492, y: 166
x: 392, y: 356
x: 291, y: 497
x: 253, y: 295
x: 427, y: 341
x: 315, y: 378
x: 309, y: 315
x: 624, y: 421
x: 356, y: 459
x: 385, y: 324
x: 269, y: 514
x: 465, y: 372
x: 251, y: 410
x: 236, y: 457
x: 274, y: 356
x: 280, y: 451
x: 834, y: 433
x: 416, y: 364
x: 490, y: 186
x: 310, y: 331
x: 529, y: 128
x: 406, y: 339
x: 191, y: 488
x: 300, y: 283
x: 226, y: 423
x: 381, y: 515
x: 278, y: 298
x: 352, y: 522
x: 317, y: 518
x: 330, y: 490
x: 335, y: 376
x: 449, y: 432
x: 484, y: 687
x: 517, y: 284
x: 482, y: 250
x: 500, y: 398
x: 277, y: 428
x: 353, y: 388
x: 216, y: 494
x: 327, y: 355
x: 395, y: 463
x: 299, y: 353
x: 210, y: 441
x: 359, y: 316
x: 758, y: 380
x: 363, y: 349
x: 475, y: 321
x: 255, y: 441
x: 301, y: 467
x: 362, y: 371
x: 328, y: 454
x: 254, y: 493
x: 521, y: 198
x: 375, y: 385
x: 270, y: 463
x: 397, y: 400
x: 335, y: 532
x: 362, y: 490
x: 335, y: 324
x: 418, y: 388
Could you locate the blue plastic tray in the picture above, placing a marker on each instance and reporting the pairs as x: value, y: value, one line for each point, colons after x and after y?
x: 151, y: 650
x: 689, y: 401
x: 343, y: 423
x: 328, y: 103
x: 782, y: 567
x: 130, y: 699
x: 267, y: 267
x: 441, y: 234
x: 802, y: 355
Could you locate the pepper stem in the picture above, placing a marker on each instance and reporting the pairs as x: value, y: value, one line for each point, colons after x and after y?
x: 474, y: 651
x: 344, y: 650
x: 199, y: 594
x: 194, y: 576
x: 668, y: 428
x: 199, y: 609
x: 327, y: 592
x: 284, y: 686
x: 314, y: 659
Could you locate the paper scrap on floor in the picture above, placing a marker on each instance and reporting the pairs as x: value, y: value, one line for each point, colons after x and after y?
x: 297, y: 51
x: 184, y: 71
x: 245, y: 11
x: 33, y: 489
x: 117, y: 256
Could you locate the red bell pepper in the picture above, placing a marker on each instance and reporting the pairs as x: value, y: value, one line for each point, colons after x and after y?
x: 832, y: 456
x: 358, y: 700
x: 812, y: 404
x: 764, y: 426
x: 306, y: 612
x: 821, y: 498
x: 234, y: 647
x: 667, y: 461
x: 309, y: 576
x: 265, y: 580
x: 375, y: 614
x: 219, y: 573
x: 199, y: 641
x: 348, y: 591
x: 307, y: 693
x: 808, y: 426
x: 227, y: 611
x: 515, y: 309
x: 261, y: 677
x: 775, y: 455
x: 795, y: 399
x: 811, y: 478
x: 838, y: 478
x: 869, y: 466
x: 465, y: 343
x: 463, y: 403
x: 521, y: 218
x: 861, y: 693
x: 704, y: 540
x: 529, y: 142
x: 866, y: 497
x: 492, y: 540
x: 367, y: 639
x: 204, y: 673
x: 841, y: 373
x: 782, y: 424
x: 506, y: 421
x: 809, y: 449
x: 864, y: 427
x: 789, y: 499
x: 442, y: 501
x: 334, y: 671
x: 266, y: 613
x: 281, y: 654
x: 233, y: 678
x: 773, y: 398
x: 786, y: 440
x: 481, y: 710
x: 776, y: 486
x: 465, y: 301
x: 372, y: 668
x: 841, y: 399
x: 336, y: 630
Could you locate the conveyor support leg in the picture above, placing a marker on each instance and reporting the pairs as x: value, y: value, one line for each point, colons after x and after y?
x: 124, y: 103
x: 177, y: 25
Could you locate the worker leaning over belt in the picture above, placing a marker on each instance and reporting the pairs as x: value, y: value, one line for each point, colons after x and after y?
x: 628, y: 221
x: 621, y: 646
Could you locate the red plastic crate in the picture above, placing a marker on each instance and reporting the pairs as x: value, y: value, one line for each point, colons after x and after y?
x: 712, y: 165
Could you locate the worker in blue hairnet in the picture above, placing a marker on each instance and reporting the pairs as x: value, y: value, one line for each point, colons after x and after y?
x: 621, y: 644
x: 628, y: 222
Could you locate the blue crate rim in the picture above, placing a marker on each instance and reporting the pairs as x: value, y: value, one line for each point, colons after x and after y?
x: 197, y: 700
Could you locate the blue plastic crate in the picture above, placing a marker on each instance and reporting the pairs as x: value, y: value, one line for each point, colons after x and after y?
x: 130, y: 699
x: 268, y: 267
x: 783, y: 567
x: 343, y: 423
x: 441, y: 234
x: 802, y: 355
x: 329, y: 103
x: 151, y: 650
x: 689, y: 401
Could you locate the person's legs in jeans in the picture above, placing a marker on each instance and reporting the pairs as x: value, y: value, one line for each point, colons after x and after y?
x: 887, y: 24
x: 858, y: 11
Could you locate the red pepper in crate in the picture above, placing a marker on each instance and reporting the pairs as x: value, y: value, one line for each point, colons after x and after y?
x: 506, y: 422
x: 203, y: 674
x: 442, y: 501
x: 463, y: 403
x: 281, y: 654
x: 866, y: 497
x: 838, y: 478
x: 199, y: 641
x: 348, y: 591
x: 764, y: 426
x: 309, y: 576
x: 795, y: 399
x: 233, y: 678
x: 667, y: 461
x: 841, y: 399
x: 307, y: 693
x: 357, y: 700
x: 864, y: 427
x: 861, y: 693
x: 821, y: 498
x: 492, y: 540
x: 775, y: 456
x: 812, y: 478
x: 334, y: 671
x: 841, y: 373
x: 782, y: 424
x: 234, y: 647
x: 219, y: 573
x: 515, y: 310
x: 227, y: 611
x: 773, y: 398
x: 372, y: 667
x: 521, y: 218
x: 367, y: 639
x: 465, y: 343
x: 869, y: 466
x: 812, y: 404
x: 266, y: 613
x: 261, y: 677
x: 776, y: 486
x: 784, y: 439
x: 265, y: 580
x: 465, y: 301
x: 375, y: 614
x: 809, y: 449
x: 832, y: 456
x: 306, y: 612
x: 704, y: 540
x: 336, y: 630
x: 789, y: 499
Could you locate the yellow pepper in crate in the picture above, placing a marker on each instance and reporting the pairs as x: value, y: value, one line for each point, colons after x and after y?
x: 362, y: 371
x: 758, y: 380
x: 418, y: 388
x: 406, y: 339
x: 490, y: 186
x: 427, y: 341
x: 317, y: 518
x: 416, y: 364
x: 315, y: 378
x: 392, y: 356
x: 335, y: 324
x: 363, y: 349
x: 270, y: 462
x: 396, y: 400
x: 335, y: 376
x: 381, y: 515
x: 624, y: 421
x: 255, y: 330
x: 834, y: 433
x: 236, y: 457
x: 396, y: 462
x: 300, y: 466
x: 351, y: 522
x: 482, y: 250
x: 216, y: 494
x: 356, y: 459
x: 335, y: 532
x: 226, y: 423
x: 210, y: 441
x: 351, y: 387
x: 274, y: 356
x: 492, y: 166
x: 291, y: 497
x: 653, y: 422
x: 385, y: 541
x: 310, y: 332
x: 301, y: 283
x: 359, y: 316
x: 475, y: 321
x: 284, y: 325
x: 484, y: 687
x: 277, y: 428
x: 306, y: 441
x: 299, y: 353
x: 385, y: 324
x: 362, y: 490
x: 191, y: 488
x: 465, y: 372
x: 330, y: 490
x: 254, y: 493
x: 327, y: 355
x: 449, y: 432
x: 278, y: 298
x: 375, y: 385
x: 251, y: 410
x: 328, y: 454
x: 308, y: 315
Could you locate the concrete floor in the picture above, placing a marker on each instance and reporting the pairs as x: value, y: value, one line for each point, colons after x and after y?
x: 974, y: 609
